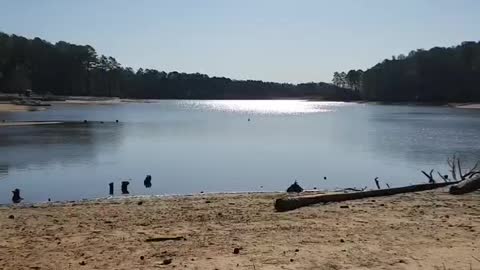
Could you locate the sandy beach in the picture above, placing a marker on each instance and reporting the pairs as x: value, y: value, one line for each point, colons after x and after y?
x: 429, y: 230
x: 7, y: 107
x: 475, y: 106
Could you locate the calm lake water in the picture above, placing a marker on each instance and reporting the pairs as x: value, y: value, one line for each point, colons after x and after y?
x: 210, y: 146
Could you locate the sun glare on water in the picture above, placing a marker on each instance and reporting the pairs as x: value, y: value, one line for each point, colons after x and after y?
x: 267, y: 106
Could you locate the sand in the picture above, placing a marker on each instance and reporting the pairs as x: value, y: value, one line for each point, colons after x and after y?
x: 429, y: 230
x: 7, y: 107
x: 466, y: 105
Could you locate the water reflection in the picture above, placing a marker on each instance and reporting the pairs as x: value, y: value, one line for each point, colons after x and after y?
x: 425, y: 135
x: 46, y: 161
x: 64, y: 144
x: 3, y: 171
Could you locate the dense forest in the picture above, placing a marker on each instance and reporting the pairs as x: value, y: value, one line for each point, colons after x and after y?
x: 69, y: 69
x: 435, y: 75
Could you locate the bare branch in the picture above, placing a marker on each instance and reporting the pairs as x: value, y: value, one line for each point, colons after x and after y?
x: 452, y: 165
x: 460, y: 169
x: 429, y: 176
x: 473, y: 171
x: 444, y: 177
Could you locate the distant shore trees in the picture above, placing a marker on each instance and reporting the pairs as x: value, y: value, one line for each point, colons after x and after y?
x: 69, y: 69
x: 436, y: 75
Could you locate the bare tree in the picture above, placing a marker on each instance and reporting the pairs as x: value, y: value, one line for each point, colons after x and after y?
x: 455, y: 168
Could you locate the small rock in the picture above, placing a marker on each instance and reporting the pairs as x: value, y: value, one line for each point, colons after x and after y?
x: 207, y: 201
x: 82, y: 263
x: 447, y: 216
x: 236, y: 251
x: 11, y: 217
x: 344, y: 206
x: 140, y: 203
x: 141, y: 258
x: 167, y: 261
x: 342, y: 241
x: 382, y: 204
x: 291, y: 260
x: 297, y: 250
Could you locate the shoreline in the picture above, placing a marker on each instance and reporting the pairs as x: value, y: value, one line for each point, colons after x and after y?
x: 423, y: 230
x: 92, y: 100
x: 28, y: 123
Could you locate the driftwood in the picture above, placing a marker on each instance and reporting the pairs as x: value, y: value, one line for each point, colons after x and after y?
x: 287, y: 204
x: 466, y: 186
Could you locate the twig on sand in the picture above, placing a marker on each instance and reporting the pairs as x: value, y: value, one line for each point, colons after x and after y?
x: 160, y: 239
x: 478, y: 260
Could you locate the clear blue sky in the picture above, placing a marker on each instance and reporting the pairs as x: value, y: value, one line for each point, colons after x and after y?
x: 275, y: 40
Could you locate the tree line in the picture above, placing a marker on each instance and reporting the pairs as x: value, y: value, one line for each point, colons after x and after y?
x: 69, y: 69
x: 436, y: 75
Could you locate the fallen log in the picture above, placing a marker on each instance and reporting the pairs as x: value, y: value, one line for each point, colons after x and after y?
x: 466, y: 186
x: 287, y: 204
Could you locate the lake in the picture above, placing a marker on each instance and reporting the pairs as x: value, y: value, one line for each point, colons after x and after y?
x: 189, y: 146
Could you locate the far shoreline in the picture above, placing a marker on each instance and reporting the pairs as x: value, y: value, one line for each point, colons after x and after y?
x: 7, y: 107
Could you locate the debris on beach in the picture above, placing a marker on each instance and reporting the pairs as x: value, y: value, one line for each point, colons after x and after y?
x: 165, y: 238
x: 167, y: 261
x: 295, y: 188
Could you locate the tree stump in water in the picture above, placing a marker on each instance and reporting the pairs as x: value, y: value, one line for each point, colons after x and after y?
x: 110, y: 186
x: 16, y: 196
x: 148, y: 181
x: 125, y: 187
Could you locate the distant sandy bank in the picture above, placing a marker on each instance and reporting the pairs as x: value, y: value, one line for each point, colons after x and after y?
x: 7, y: 107
x: 465, y: 105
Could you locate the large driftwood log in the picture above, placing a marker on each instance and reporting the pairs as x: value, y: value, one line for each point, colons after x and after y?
x: 287, y: 204
x: 466, y: 186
